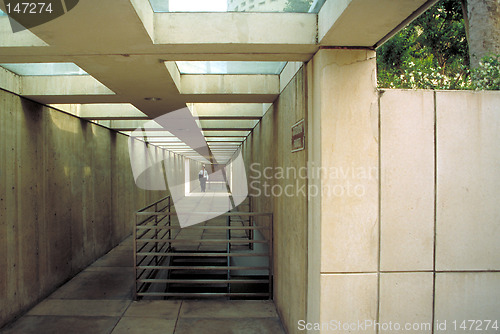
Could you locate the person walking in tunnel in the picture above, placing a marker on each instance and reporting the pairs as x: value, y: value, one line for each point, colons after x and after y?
x: 203, y: 177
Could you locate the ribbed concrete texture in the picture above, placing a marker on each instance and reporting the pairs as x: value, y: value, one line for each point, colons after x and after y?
x: 66, y: 198
x: 99, y: 301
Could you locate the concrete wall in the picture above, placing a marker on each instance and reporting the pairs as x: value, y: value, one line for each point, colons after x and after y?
x: 269, y: 145
x: 439, y: 205
x: 405, y: 227
x: 344, y: 222
x: 434, y: 255
x: 67, y: 196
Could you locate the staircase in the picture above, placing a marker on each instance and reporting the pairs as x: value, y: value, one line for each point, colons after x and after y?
x: 225, y: 258
x: 195, y: 276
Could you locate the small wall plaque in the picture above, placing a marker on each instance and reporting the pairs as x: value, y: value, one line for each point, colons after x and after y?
x: 298, y: 136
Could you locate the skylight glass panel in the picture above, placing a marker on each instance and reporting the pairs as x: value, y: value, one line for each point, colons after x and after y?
x: 45, y: 69
x: 230, y: 67
x: 280, y: 6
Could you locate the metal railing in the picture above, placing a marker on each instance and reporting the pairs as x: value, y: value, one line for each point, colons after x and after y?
x: 159, y: 243
x: 153, y: 239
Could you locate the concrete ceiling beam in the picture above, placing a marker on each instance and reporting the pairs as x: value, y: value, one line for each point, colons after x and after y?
x: 209, y: 124
x: 212, y: 141
x: 214, y: 84
x: 235, y: 29
x: 136, y: 124
x: 119, y: 111
x: 130, y: 128
x: 64, y: 85
x: 10, y: 81
x: 226, y: 134
x: 228, y: 118
x: 230, y: 98
x: 363, y: 23
x: 228, y: 109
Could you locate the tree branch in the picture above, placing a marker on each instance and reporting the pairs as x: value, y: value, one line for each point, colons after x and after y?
x: 463, y: 3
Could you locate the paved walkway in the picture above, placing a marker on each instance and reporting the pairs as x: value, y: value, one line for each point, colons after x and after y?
x: 99, y: 300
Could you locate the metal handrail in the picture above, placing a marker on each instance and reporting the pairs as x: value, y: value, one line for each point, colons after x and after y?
x: 230, y: 213
x: 166, y: 198
x: 158, y: 243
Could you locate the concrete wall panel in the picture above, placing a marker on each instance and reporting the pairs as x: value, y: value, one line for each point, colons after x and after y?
x: 269, y: 146
x: 349, y: 158
x: 407, y: 180
x: 406, y: 299
x: 348, y: 299
x: 467, y: 296
x: 468, y: 181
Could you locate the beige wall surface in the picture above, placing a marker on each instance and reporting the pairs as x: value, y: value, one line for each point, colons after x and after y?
x: 407, y: 180
x: 66, y: 198
x: 440, y: 184
x: 349, y: 157
x: 467, y: 299
x: 421, y: 244
x: 269, y: 145
x: 468, y: 181
x: 343, y: 143
x: 407, y: 298
x: 433, y: 256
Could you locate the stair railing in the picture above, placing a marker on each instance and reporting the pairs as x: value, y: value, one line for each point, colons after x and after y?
x: 154, y: 247
x: 150, y: 237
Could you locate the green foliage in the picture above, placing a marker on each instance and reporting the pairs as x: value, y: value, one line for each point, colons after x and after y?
x: 430, y: 53
x: 298, y: 6
x: 487, y: 75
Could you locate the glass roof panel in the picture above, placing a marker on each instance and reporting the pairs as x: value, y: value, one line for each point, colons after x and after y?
x: 279, y: 6
x: 44, y: 69
x: 230, y: 67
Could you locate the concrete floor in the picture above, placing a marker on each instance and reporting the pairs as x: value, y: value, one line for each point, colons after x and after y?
x: 99, y: 300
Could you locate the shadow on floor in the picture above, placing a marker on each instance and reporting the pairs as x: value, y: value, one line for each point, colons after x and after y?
x: 99, y: 301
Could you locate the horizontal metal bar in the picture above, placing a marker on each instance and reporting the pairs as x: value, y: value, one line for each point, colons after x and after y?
x: 201, y: 268
x: 145, y: 270
x: 144, y: 258
x: 158, y: 242
x: 203, y: 254
x: 153, y: 204
x: 202, y: 294
x: 208, y: 241
x: 244, y: 228
x: 245, y: 214
x: 203, y: 281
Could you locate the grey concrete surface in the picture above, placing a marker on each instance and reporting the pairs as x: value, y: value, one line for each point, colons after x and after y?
x: 99, y: 301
